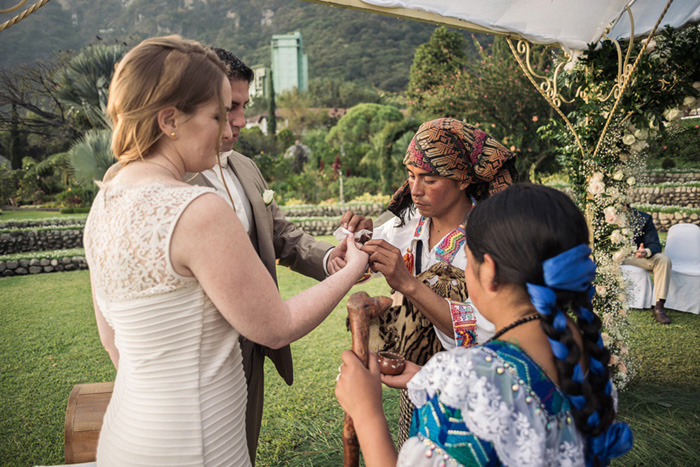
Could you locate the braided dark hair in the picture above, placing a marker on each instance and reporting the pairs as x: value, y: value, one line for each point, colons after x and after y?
x: 524, y: 229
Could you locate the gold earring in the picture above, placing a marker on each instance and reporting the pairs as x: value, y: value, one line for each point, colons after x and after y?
x: 172, y: 135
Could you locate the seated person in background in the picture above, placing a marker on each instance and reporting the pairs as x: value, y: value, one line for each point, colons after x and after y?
x: 451, y: 166
x: 648, y: 256
x: 539, y: 391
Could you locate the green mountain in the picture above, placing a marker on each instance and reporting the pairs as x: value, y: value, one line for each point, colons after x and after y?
x: 340, y: 43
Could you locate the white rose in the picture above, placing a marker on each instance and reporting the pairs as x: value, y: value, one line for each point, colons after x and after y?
x: 616, y: 237
x: 626, y: 232
x: 624, y: 157
x: 267, y: 196
x: 622, y: 219
x: 638, y: 146
x: 619, y: 255
x: 597, y: 177
x: 606, y: 338
x: 689, y: 101
x: 601, y: 290
x: 631, y: 181
x: 596, y: 187
x: 629, y: 139
x: 696, y: 85
x: 641, y: 134
x: 618, y: 175
x: 610, y: 215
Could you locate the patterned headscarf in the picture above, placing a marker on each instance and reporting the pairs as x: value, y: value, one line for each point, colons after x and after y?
x: 459, y: 151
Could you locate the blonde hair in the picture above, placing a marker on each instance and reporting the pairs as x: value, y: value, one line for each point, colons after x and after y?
x: 159, y: 72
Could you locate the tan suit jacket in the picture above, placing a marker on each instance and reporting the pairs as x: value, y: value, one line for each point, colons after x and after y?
x: 274, y: 238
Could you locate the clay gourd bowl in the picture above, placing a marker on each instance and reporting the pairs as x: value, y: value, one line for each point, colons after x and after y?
x: 390, y: 363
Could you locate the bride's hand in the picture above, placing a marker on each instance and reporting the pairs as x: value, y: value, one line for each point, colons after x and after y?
x: 355, y: 258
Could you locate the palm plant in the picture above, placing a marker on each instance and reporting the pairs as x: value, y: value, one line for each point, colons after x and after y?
x: 91, y: 156
x: 84, y: 82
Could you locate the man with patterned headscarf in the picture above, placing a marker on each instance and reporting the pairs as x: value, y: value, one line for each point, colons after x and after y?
x: 451, y: 165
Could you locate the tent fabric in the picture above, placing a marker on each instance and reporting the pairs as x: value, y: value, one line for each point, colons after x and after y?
x: 572, y: 24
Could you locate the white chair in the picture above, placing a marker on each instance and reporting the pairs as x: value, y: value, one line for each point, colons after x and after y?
x: 640, y: 292
x: 683, y: 249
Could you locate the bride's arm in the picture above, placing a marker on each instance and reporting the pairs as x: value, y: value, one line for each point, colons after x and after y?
x: 209, y: 242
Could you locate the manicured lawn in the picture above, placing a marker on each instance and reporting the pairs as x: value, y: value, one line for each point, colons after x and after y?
x: 26, y: 215
x: 48, y: 343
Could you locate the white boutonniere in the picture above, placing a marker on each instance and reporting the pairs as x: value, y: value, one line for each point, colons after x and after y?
x: 267, y: 196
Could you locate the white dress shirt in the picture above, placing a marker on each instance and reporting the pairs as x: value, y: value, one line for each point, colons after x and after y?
x: 241, y: 203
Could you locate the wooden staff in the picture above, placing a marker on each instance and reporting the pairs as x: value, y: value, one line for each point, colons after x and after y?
x: 361, y: 309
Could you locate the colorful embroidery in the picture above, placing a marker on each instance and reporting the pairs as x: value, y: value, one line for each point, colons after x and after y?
x: 451, y: 244
x: 464, y: 321
x: 448, y: 247
x: 410, y: 261
x: 366, y: 276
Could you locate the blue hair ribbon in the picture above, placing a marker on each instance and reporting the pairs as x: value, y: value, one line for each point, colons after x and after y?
x: 572, y: 270
x: 614, y: 442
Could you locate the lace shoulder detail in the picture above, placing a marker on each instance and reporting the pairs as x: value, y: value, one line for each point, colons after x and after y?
x: 499, y: 406
x: 127, y: 239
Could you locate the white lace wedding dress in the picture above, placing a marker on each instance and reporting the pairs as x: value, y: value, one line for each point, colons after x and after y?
x: 180, y: 395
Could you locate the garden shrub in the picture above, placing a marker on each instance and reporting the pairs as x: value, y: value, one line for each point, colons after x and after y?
x: 668, y: 163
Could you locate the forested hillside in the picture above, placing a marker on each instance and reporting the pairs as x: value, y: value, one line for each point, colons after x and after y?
x: 342, y: 44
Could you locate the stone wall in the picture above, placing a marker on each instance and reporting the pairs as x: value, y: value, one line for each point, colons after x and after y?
x: 40, y: 223
x: 663, y: 221
x: 684, y: 196
x: 20, y: 241
x: 367, y: 210
x: 35, y: 266
x: 654, y: 178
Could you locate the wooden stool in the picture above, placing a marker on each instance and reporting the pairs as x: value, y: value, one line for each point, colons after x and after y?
x: 87, y: 405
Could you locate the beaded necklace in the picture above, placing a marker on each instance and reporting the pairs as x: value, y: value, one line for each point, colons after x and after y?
x: 512, y: 325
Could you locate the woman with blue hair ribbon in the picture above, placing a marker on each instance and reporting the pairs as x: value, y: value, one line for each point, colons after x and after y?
x: 539, y: 391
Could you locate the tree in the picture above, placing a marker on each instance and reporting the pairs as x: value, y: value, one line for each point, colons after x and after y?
x: 330, y: 92
x: 83, y: 84
x: 272, y: 109
x: 353, y: 137
x: 443, y: 56
x: 30, y: 109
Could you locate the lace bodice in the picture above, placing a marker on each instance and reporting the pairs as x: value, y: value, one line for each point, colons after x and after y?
x: 494, y: 391
x: 127, y: 238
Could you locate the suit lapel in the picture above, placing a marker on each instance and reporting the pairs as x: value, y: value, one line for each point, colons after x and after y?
x: 253, y: 186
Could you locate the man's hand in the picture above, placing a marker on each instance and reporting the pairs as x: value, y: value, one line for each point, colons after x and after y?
x: 641, y: 251
x: 354, y: 223
x: 386, y: 258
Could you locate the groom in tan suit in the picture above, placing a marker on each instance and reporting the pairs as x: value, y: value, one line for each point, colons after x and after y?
x: 272, y: 235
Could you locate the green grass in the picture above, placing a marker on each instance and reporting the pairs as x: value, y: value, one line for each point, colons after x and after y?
x: 49, y: 342
x: 27, y: 215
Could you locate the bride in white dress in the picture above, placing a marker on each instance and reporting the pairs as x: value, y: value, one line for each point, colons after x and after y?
x: 162, y: 265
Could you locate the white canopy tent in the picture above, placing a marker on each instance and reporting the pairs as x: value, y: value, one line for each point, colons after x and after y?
x: 571, y: 24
